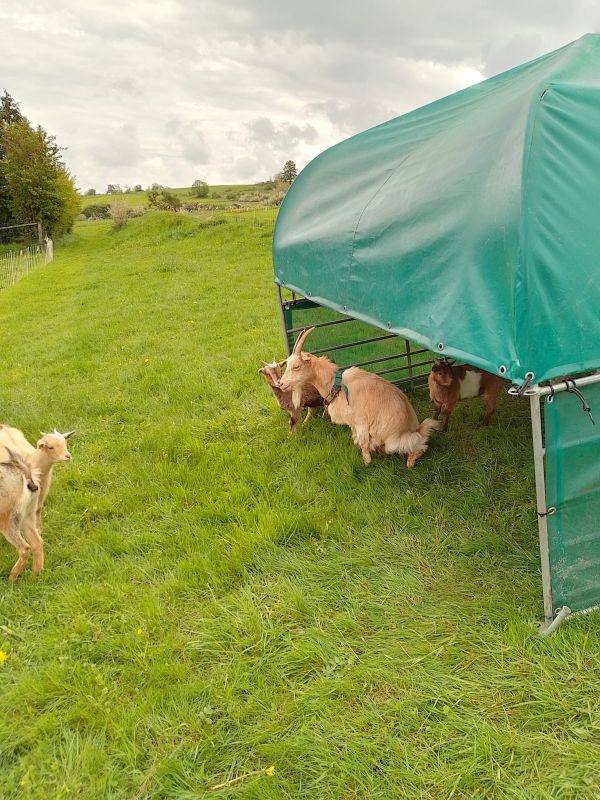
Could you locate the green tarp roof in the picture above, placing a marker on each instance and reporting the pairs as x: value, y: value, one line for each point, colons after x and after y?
x: 470, y: 226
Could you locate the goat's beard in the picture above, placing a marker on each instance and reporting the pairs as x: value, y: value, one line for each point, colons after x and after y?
x: 297, y: 397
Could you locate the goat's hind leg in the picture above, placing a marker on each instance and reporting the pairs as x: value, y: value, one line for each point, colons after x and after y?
x: 13, y: 535
x: 491, y: 400
x: 36, y: 543
x: 414, y: 456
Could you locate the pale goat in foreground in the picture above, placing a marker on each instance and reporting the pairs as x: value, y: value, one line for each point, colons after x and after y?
x: 379, y: 415
x: 51, y: 449
x: 18, y: 498
x: 310, y: 398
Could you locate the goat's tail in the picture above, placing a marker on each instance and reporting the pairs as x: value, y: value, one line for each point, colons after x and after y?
x: 414, y: 442
x: 427, y: 426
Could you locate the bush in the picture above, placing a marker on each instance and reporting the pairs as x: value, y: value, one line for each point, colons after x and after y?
x: 119, y: 215
x: 164, y: 200
x: 96, y: 211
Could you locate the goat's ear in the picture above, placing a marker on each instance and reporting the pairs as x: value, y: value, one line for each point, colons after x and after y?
x: 265, y: 363
x: 261, y: 371
x: 69, y: 434
x: 13, y: 458
x: 305, y: 356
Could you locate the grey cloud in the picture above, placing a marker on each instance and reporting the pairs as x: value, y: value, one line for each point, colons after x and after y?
x: 250, y: 83
x: 352, y: 117
x: 188, y: 139
x: 120, y: 147
x: 280, y: 137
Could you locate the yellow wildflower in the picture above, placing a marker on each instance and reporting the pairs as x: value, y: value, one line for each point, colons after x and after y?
x: 270, y: 771
x: 3, y: 656
x: 139, y: 631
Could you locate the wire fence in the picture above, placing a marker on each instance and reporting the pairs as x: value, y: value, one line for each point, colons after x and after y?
x: 256, y: 217
x: 18, y: 258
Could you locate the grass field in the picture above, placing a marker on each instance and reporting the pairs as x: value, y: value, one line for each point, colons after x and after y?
x: 220, y: 598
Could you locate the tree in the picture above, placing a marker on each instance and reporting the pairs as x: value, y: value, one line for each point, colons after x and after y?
x: 90, y: 192
x: 199, y: 189
x: 113, y: 188
x: 289, y: 172
x: 137, y: 187
x: 9, y: 111
x: 35, y: 185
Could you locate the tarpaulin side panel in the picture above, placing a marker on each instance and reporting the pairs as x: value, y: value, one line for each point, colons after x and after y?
x: 558, y: 292
x: 573, y: 488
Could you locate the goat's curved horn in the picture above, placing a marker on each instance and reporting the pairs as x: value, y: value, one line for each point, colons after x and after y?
x: 301, y: 339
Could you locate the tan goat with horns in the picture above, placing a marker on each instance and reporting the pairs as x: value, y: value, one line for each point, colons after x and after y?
x: 379, y: 415
x: 310, y: 398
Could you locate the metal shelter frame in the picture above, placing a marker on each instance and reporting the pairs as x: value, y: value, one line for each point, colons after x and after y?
x: 413, y: 359
x: 553, y: 617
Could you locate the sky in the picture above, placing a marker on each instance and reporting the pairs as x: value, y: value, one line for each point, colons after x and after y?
x: 226, y: 91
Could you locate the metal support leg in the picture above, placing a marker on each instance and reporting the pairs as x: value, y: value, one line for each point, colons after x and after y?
x: 540, y: 491
x: 283, y: 323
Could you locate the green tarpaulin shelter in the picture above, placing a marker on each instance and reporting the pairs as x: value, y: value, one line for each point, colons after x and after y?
x: 470, y: 226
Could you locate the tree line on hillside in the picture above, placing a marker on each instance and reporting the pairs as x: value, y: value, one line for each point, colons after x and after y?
x: 35, y: 185
x: 156, y: 192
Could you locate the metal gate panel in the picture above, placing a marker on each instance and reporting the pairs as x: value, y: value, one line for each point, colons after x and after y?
x: 350, y: 342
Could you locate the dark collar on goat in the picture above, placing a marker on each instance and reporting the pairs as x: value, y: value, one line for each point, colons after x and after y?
x: 336, y: 388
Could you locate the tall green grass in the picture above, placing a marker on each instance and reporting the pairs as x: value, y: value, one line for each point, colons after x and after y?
x: 219, y: 597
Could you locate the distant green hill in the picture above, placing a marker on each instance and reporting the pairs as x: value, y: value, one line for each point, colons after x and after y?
x: 247, y: 195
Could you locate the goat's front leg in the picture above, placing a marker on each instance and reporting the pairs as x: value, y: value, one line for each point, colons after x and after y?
x: 293, y: 420
x: 437, y: 407
x: 360, y: 436
x: 310, y: 412
x: 448, y: 408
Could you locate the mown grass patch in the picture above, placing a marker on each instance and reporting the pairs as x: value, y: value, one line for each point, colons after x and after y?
x: 219, y: 597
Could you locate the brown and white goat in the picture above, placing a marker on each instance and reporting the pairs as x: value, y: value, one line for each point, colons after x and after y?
x: 379, y: 415
x: 448, y: 384
x: 18, y: 498
x: 310, y: 398
x: 51, y: 449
